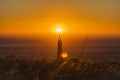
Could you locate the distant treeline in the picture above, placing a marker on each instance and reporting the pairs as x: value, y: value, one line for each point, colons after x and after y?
x: 13, y: 68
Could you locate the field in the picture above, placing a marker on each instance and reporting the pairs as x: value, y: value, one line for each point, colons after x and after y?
x: 14, y: 68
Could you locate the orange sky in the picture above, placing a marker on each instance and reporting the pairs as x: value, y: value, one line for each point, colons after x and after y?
x: 77, y: 17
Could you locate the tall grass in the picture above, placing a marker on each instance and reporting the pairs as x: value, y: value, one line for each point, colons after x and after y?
x: 12, y: 68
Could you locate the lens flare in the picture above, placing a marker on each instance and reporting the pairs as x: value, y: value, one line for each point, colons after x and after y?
x: 64, y: 55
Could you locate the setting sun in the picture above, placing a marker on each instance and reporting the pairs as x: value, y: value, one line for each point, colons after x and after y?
x: 59, y: 30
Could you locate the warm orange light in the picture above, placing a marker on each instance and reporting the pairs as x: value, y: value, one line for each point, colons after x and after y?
x: 59, y: 30
x: 64, y: 55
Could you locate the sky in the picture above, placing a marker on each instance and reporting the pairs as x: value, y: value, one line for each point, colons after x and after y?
x: 38, y: 17
x: 78, y: 18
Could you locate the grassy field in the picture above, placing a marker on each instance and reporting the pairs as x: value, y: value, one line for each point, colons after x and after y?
x: 13, y: 68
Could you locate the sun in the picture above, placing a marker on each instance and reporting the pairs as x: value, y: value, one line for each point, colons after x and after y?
x: 59, y: 30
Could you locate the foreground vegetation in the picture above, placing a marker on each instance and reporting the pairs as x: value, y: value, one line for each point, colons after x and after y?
x: 12, y: 68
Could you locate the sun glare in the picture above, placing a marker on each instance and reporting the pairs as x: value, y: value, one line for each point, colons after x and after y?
x: 59, y: 30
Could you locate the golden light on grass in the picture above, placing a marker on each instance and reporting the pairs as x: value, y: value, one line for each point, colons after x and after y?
x: 59, y: 30
x: 64, y: 55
